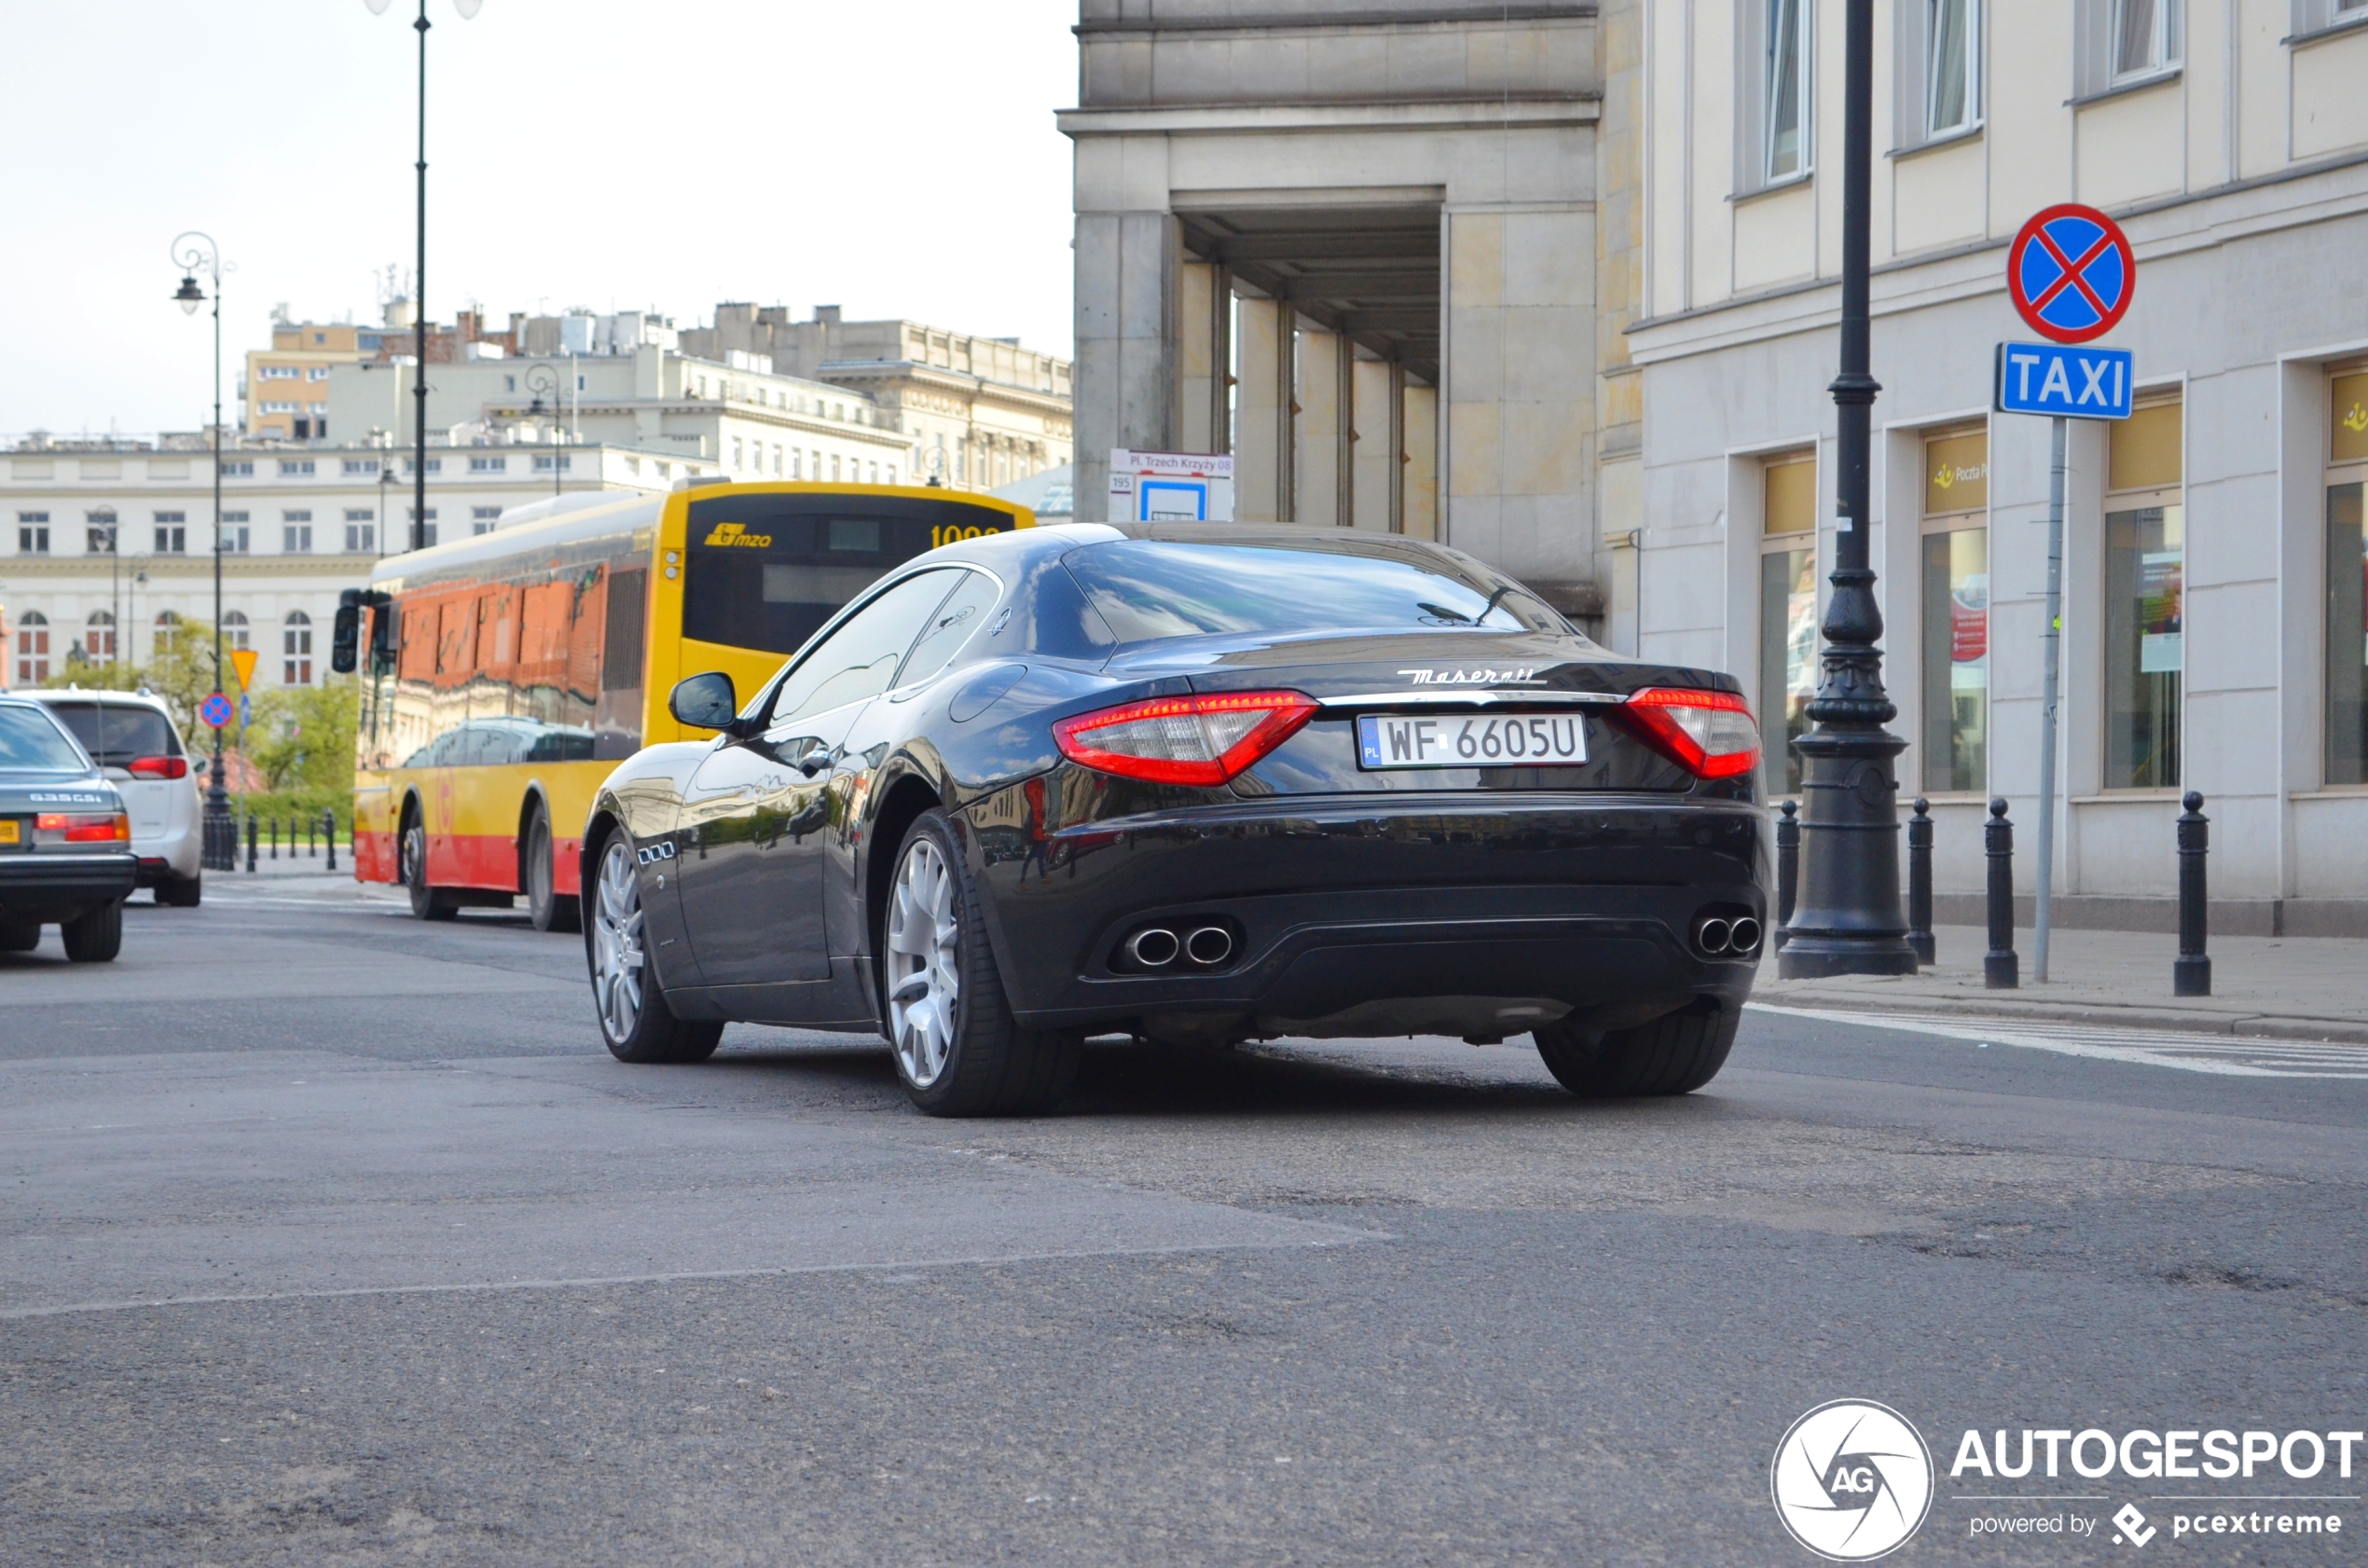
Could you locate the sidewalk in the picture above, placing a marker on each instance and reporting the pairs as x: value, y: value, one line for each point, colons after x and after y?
x: 2279, y: 987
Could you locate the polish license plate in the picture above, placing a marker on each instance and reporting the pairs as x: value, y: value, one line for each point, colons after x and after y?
x: 9, y: 831
x: 1413, y: 740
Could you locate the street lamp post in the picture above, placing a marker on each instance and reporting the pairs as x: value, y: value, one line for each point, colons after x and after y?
x: 195, y: 252
x: 419, y: 283
x: 542, y: 379
x: 1849, y: 920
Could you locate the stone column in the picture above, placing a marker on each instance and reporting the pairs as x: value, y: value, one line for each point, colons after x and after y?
x: 1420, y: 511
x: 1126, y: 292
x: 1318, y: 428
x: 1200, y: 362
x: 1372, y: 426
x: 1261, y: 412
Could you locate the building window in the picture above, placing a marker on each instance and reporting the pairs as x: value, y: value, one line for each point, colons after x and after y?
x: 1773, y: 92
x: 98, y: 637
x: 483, y: 520
x: 367, y: 467
x: 233, y: 535
x: 235, y: 631
x: 1956, y: 613
x: 1950, y: 77
x: 489, y: 465
x: 738, y: 458
x: 172, y: 533
x: 2145, y: 36
x: 316, y: 372
x: 2145, y: 599
x: 241, y: 470
x: 167, y: 626
x: 361, y: 530
x: 424, y: 527
x: 295, y: 469
x: 276, y: 373
x: 1787, y: 612
x: 295, y: 533
x: 33, y: 649
x: 411, y: 465
x: 100, y: 532
x: 33, y: 533
x: 546, y: 462
x: 2348, y: 580
x: 295, y: 650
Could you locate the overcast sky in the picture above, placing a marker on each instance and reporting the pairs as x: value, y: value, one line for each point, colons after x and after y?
x: 893, y: 159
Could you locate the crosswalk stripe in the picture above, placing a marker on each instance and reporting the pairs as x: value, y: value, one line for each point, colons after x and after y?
x: 2221, y: 1054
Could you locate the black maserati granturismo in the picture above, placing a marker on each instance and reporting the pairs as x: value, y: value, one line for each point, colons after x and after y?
x: 1201, y: 784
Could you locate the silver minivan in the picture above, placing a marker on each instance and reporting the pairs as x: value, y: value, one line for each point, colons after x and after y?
x: 133, y: 739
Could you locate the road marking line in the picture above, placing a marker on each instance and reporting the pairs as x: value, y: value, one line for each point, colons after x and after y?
x: 2218, y: 1054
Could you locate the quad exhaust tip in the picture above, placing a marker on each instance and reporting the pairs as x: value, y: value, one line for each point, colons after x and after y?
x: 1154, y: 947
x: 1721, y: 937
x: 1209, y: 946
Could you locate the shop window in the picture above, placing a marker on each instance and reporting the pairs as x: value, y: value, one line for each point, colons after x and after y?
x: 1956, y: 613
x: 1787, y: 612
x: 2145, y: 599
x: 2348, y: 580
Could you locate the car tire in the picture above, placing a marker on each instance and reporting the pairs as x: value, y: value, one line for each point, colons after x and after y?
x: 949, y: 1025
x: 545, y: 910
x: 20, y: 939
x: 1674, y: 1055
x: 96, y: 936
x: 181, y: 892
x: 636, y: 1023
x: 427, y: 903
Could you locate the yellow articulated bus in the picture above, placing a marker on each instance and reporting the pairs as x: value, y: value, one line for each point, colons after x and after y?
x: 507, y: 674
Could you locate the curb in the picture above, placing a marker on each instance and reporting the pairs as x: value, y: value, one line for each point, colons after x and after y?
x: 2266, y: 1026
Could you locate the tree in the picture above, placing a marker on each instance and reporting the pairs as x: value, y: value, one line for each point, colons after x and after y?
x: 182, y: 673
x: 301, y: 737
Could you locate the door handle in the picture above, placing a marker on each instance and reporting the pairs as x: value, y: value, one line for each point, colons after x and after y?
x: 814, y: 761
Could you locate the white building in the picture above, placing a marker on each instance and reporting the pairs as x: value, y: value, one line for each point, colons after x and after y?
x: 2214, y: 620
x: 108, y: 544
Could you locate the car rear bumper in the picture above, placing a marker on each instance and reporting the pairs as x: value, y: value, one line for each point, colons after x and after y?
x: 49, y: 887
x: 174, y: 854
x: 1467, y: 914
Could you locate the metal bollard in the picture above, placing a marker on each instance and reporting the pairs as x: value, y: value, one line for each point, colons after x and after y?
x: 275, y: 839
x: 2191, y: 973
x: 250, y: 843
x: 1787, y: 870
x: 2000, y: 969
x: 311, y: 837
x: 1920, y: 882
x: 329, y: 831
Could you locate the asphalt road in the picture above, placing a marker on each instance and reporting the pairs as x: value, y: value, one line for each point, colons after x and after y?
x: 330, y: 1237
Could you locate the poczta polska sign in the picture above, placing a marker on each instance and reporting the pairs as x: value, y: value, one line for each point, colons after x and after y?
x: 2070, y: 275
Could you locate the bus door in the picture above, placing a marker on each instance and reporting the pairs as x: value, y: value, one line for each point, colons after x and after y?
x: 759, y: 810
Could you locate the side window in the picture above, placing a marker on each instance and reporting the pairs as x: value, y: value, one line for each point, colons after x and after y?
x: 861, y: 658
x: 963, y: 613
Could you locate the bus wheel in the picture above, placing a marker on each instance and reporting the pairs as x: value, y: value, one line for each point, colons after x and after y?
x: 427, y: 903
x: 548, y: 910
x: 635, y: 1020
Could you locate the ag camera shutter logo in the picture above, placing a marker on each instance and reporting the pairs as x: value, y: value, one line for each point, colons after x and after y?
x: 1852, y: 1480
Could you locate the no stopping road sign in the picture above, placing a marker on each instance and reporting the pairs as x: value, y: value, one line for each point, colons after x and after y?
x: 2070, y: 273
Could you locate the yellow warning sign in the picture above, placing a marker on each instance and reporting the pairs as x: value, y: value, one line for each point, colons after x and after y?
x: 242, y: 660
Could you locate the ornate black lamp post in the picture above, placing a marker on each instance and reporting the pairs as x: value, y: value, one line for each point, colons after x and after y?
x: 1849, y: 920
x: 419, y: 283
x: 195, y: 252
x: 542, y: 379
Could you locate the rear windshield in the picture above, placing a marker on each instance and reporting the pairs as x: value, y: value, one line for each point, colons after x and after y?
x: 29, y: 740
x: 1150, y: 588
x: 115, y: 732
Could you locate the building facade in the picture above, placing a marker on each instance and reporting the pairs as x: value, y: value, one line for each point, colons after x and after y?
x: 2212, y: 607
x: 284, y: 392
x: 109, y: 544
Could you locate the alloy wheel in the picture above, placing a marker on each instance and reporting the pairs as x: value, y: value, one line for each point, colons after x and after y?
x: 415, y: 855
x: 924, y: 943
x: 616, y: 943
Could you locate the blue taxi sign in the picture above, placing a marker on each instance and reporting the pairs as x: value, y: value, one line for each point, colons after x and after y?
x: 2065, y: 380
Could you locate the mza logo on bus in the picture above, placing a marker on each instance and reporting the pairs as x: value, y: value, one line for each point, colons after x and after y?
x: 730, y: 533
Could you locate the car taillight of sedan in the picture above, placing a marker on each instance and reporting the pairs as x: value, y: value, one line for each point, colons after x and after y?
x: 1202, y: 739
x: 1709, y: 734
x: 157, y: 767
x: 74, y: 827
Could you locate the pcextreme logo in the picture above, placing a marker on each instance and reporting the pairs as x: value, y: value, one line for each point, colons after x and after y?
x: 1852, y: 1481
x: 732, y: 533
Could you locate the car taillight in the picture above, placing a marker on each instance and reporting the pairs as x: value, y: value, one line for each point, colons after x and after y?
x: 1187, y: 739
x: 74, y: 827
x: 1710, y: 734
x: 158, y: 767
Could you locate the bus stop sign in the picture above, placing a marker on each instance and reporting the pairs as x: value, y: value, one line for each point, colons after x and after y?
x: 2070, y: 273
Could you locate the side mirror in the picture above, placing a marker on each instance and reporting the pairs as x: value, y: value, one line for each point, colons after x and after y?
x: 345, y: 642
x: 385, y: 637
x: 705, y: 702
